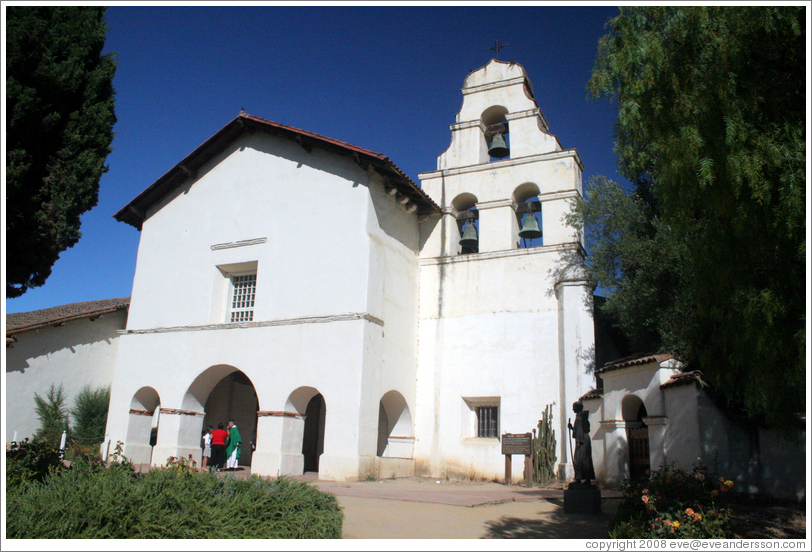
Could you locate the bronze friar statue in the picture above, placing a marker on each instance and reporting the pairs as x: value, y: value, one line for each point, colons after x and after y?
x: 582, y: 457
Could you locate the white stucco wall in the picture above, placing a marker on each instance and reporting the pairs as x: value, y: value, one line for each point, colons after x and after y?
x: 685, y: 427
x: 335, y: 313
x: 74, y: 355
x: 506, y: 326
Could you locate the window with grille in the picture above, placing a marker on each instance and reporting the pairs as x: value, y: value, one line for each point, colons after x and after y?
x: 244, y: 290
x: 487, y: 418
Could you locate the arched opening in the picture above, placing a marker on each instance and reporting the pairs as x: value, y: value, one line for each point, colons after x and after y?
x: 142, y: 427
x: 313, y: 438
x: 496, y: 132
x: 528, y: 215
x: 303, y: 430
x: 395, y: 435
x: 634, y: 410
x: 467, y: 223
x: 222, y: 393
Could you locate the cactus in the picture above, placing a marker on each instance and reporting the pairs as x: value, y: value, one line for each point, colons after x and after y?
x: 544, y: 449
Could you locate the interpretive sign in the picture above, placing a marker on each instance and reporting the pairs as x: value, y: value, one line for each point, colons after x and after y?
x: 517, y: 443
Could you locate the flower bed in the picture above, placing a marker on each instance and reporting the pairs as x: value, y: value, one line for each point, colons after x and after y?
x: 673, y: 503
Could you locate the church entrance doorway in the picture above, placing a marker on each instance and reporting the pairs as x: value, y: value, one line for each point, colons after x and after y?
x: 234, y: 398
x: 217, y: 395
x: 313, y: 437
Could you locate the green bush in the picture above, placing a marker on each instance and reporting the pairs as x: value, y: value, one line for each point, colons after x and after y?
x: 31, y: 462
x: 171, y: 503
x: 673, y: 503
x: 89, y: 415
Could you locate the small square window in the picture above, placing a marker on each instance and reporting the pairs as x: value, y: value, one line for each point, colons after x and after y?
x: 487, y: 421
x: 480, y: 418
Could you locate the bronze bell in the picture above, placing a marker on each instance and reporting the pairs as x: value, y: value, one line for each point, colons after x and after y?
x: 530, y: 228
x: 469, y: 237
x: 498, y: 147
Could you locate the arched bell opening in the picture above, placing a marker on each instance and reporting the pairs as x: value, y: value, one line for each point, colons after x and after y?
x: 303, y: 430
x: 221, y: 394
x: 528, y: 214
x: 142, y: 426
x: 496, y: 132
x: 395, y: 434
x: 634, y: 410
x: 467, y: 223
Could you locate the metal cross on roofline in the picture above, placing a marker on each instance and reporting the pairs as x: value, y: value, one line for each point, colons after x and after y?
x: 498, y: 46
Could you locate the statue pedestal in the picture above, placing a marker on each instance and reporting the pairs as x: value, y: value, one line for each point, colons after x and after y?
x: 582, y: 498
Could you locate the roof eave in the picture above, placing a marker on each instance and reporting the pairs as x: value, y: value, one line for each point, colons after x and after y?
x: 134, y: 213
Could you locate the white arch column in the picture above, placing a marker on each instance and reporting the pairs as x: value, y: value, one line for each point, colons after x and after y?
x: 616, y: 451
x: 498, y: 226
x: 179, y: 434
x: 656, y: 440
x: 137, y: 448
x: 278, y: 433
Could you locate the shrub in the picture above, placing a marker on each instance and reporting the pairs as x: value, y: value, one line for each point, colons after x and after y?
x: 31, y: 462
x: 673, y: 503
x: 90, y: 416
x: 53, y: 416
x: 171, y: 503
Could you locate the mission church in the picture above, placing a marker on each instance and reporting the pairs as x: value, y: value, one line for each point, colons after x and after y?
x: 427, y: 322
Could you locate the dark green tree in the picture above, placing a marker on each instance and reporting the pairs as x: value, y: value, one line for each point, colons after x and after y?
x: 53, y: 415
x: 89, y: 415
x: 59, y: 109
x: 711, y: 130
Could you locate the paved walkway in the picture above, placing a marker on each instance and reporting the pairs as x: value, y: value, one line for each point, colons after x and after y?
x: 420, y: 508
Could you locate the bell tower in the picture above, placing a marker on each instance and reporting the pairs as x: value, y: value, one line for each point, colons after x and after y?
x: 505, y: 326
x: 502, y: 164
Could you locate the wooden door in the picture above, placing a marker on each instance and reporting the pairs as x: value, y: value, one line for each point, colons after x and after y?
x: 638, y: 452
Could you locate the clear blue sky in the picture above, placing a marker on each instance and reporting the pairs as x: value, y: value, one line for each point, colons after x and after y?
x: 384, y: 78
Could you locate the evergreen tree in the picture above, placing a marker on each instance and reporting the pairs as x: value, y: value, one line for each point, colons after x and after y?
x: 53, y: 415
x: 59, y: 109
x: 710, y: 128
x: 89, y: 415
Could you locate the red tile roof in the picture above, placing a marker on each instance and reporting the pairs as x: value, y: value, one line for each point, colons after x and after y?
x: 634, y: 361
x: 592, y: 394
x: 684, y: 378
x: 25, y: 321
x: 134, y: 212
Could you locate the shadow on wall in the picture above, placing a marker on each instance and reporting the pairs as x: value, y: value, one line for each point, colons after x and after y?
x: 757, y: 459
x: 47, y: 341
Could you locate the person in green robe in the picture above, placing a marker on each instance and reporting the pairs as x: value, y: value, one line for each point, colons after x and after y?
x: 233, y: 446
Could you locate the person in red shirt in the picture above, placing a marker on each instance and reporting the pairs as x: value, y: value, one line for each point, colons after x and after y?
x: 218, y: 447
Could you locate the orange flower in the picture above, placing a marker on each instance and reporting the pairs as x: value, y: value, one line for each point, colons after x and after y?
x: 667, y: 522
x: 698, y: 517
x: 689, y: 511
x: 729, y: 484
x: 676, y: 525
x: 714, y: 492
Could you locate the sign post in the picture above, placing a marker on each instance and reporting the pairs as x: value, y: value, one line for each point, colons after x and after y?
x: 518, y: 443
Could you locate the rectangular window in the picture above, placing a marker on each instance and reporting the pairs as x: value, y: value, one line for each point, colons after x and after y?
x: 487, y: 418
x: 244, y: 290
